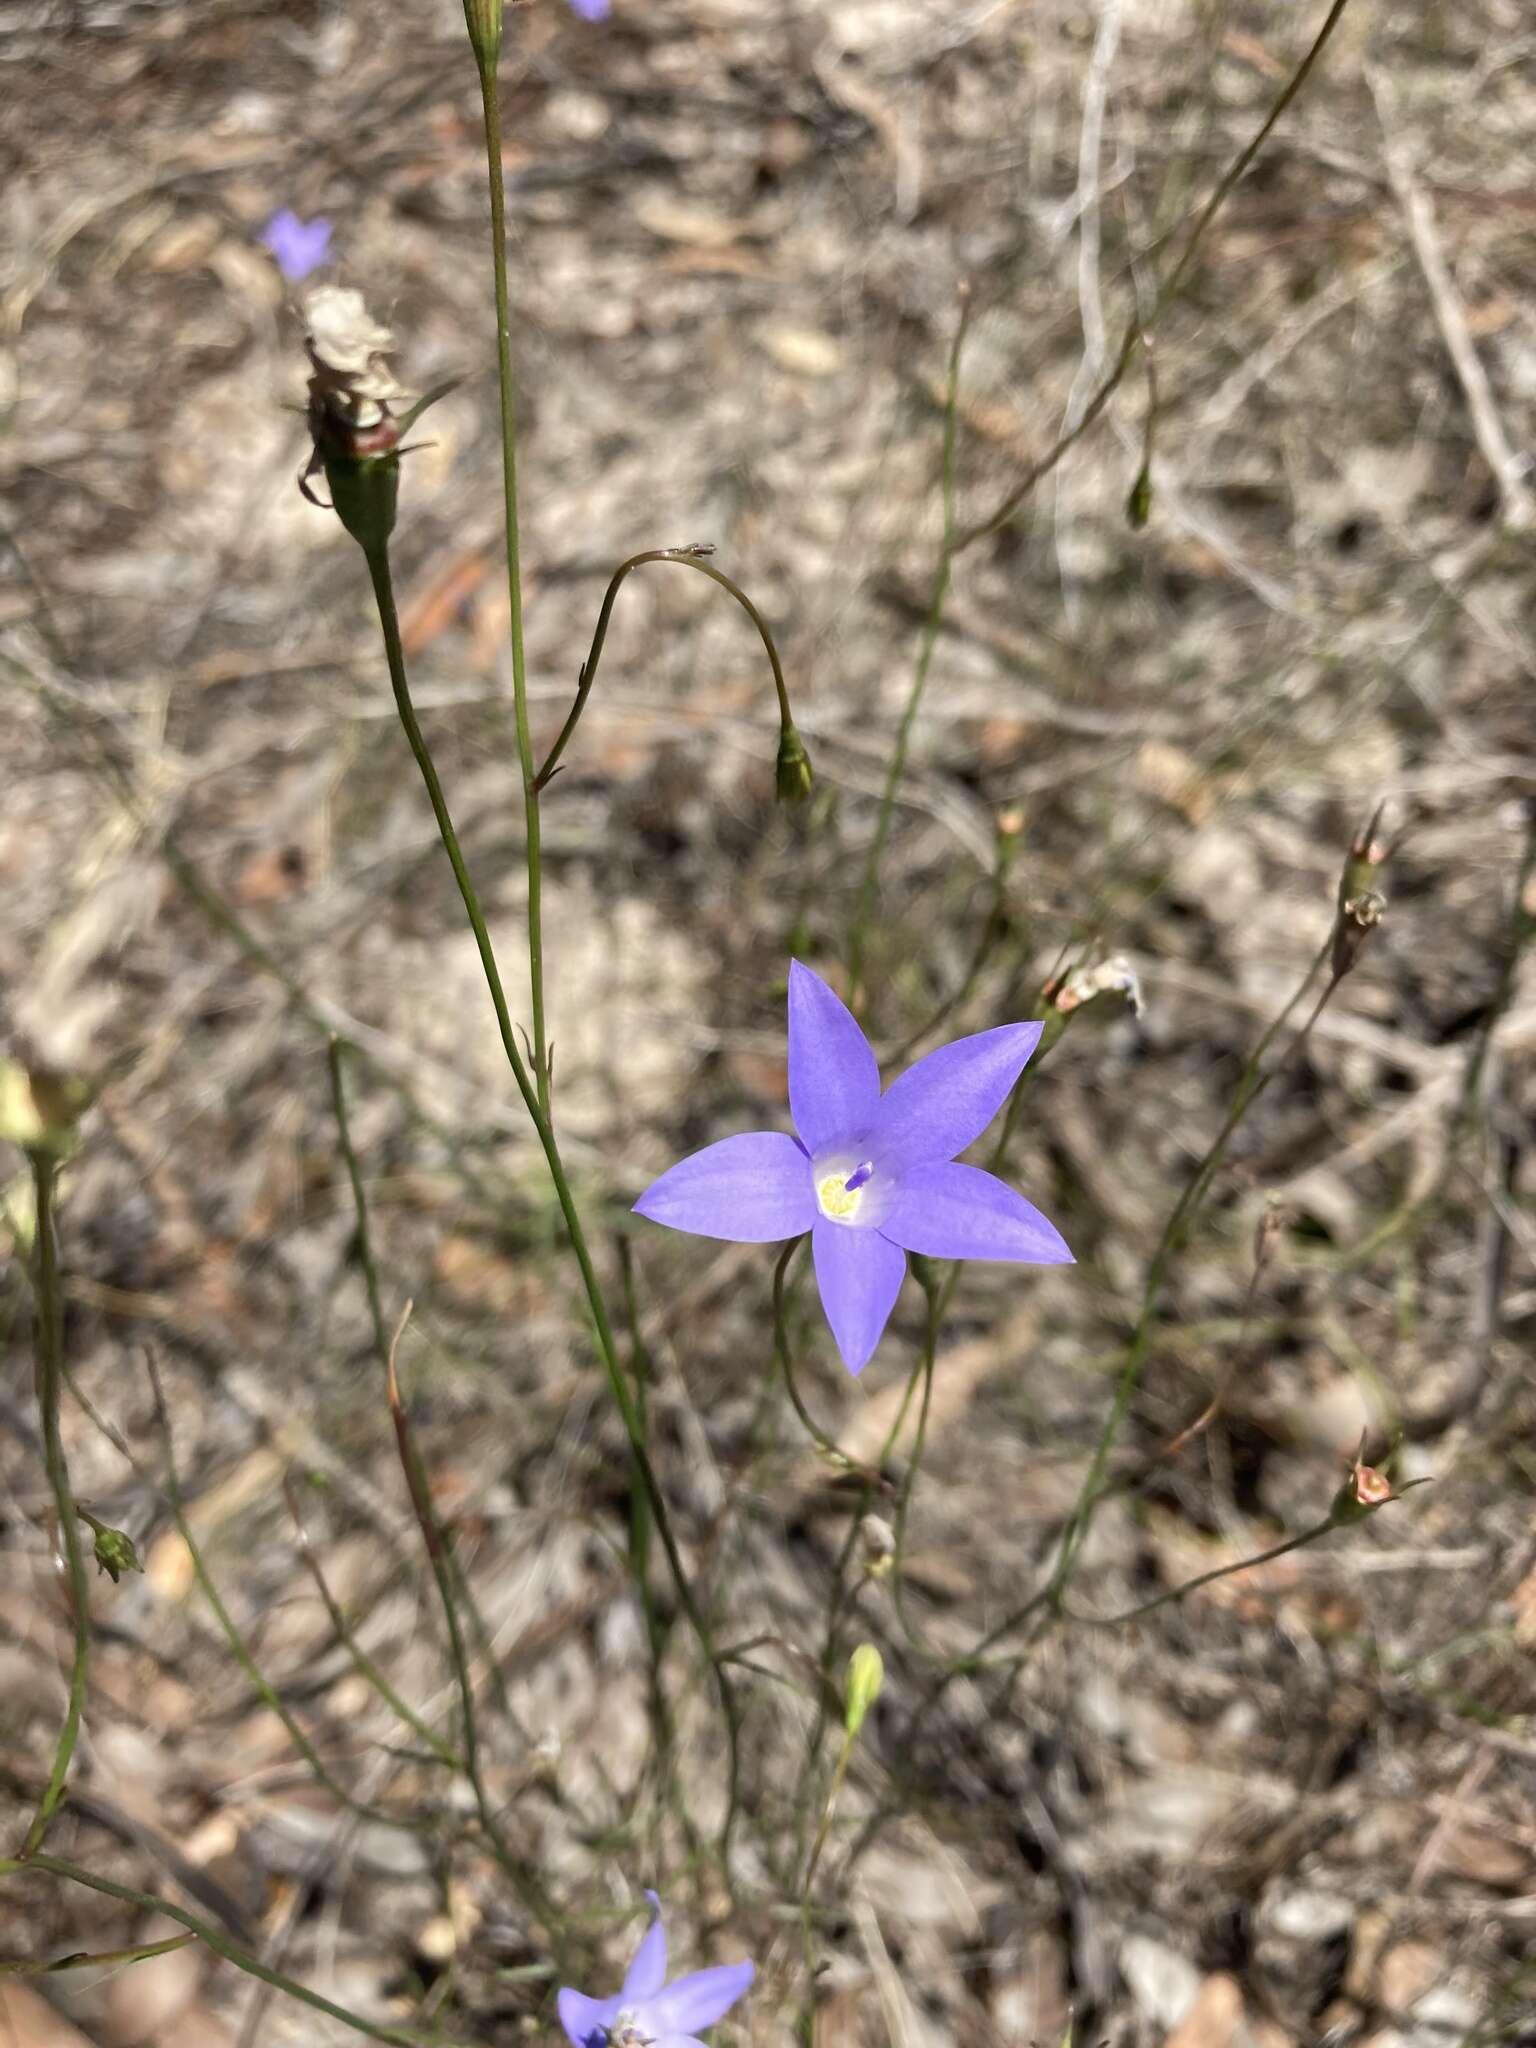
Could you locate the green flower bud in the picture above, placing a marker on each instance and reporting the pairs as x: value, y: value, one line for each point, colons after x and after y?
x: 39, y: 1108
x: 483, y: 19
x: 365, y: 495
x: 1138, y: 506
x: 115, y: 1553
x: 793, y: 779
x: 866, y: 1674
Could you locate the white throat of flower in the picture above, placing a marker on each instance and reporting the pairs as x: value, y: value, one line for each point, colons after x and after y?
x: 626, y: 2031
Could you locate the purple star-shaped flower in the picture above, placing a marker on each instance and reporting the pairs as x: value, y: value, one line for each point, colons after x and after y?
x: 647, y: 2012
x: 871, y: 1176
x: 300, y: 246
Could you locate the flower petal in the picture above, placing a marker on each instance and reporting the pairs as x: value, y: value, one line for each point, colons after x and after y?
x: 648, y: 1972
x: 946, y: 1101
x: 834, y: 1080
x: 753, y: 1189
x: 699, y: 2000
x: 586, y: 2020
x: 859, y: 1273
x: 958, y: 1212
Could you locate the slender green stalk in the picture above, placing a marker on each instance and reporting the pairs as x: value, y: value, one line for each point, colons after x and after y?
x: 435, y: 1542
x: 239, y: 1647
x: 870, y: 882
x: 148, y: 1902
x: 618, y: 1382
x: 490, y: 101
x: 1220, y: 1571
x: 1139, y: 330
x: 363, y: 1663
x: 1251, y: 1085
x: 781, y: 1346
x: 936, y: 1298
x: 141, y: 1953
x: 684, y: 558
x: 50, y: 1387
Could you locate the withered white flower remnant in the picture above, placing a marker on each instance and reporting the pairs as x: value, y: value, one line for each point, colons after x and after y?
x: 871, y: 1176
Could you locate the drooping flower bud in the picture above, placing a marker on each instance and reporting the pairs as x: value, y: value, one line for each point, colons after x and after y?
x: 1138, y: 505
x: 793, y: 780
x: 866, y: 1675
x: 114, y: 1551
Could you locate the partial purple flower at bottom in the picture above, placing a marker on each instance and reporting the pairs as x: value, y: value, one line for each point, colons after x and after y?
x: 299, y: 246
x: 592, y: 10
x: 871, y: 1176
x: 647, y: 2011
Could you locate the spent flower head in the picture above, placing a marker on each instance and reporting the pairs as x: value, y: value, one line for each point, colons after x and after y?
x: 871, y: 1175
x: 647, y: 2011
x: 299, y: 246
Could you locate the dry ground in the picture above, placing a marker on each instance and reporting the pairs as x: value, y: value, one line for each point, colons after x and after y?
x: 1295, y: 1809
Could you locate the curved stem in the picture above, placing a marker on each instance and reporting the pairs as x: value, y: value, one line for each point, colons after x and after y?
x: 490, y: 102
x: 685, y: 558
x: 1139, y: 330
x: 1220, y: 1571
x: 148, y: 1902
x: 870, y: 881
x: 50, y: 1384
x: 439, y: 1556
x: 618, y: 1381
x: 813, y: 1429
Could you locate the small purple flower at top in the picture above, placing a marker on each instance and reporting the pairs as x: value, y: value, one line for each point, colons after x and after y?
x: 647, y: 2011
x: 871, y: 1176
x: 592, y: 10
x: 300, y: 246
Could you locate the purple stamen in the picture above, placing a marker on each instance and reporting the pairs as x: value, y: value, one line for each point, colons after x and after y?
x: 859, y: 1175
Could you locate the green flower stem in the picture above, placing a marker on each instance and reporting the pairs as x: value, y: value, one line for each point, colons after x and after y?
x: 623, y: 1395
x: 241, y: 1650
x: 829, y: 1450
x: 1220, y: 1571
x: 141, y: 1953
x: 870, y: 881
x: 439, y: 1556
x: 1139, y: 331
x: 685, y: 558
x: 50, y: 1387
x: 362, y: 1662
x: 490, y: 101
x: 936, y: 1295
x: 148, y: 1902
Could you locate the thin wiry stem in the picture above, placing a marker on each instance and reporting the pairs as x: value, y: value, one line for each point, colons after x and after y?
x: 1220, y: 1571
x: 618, y: 1382
x: 239, y: 1647
x: 870, y: 881
x: 363, y: 1663
x: 490, y: 102
x: 434, y: 1539
x: 148, y: 1902
x: 142, y: 1952
x: 813, y: 1429
x: 1140, y: 328
x: 684, y: 558
x: 50, y: 1388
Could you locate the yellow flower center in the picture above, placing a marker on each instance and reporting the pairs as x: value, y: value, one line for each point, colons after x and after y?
x: 837, y: 1199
